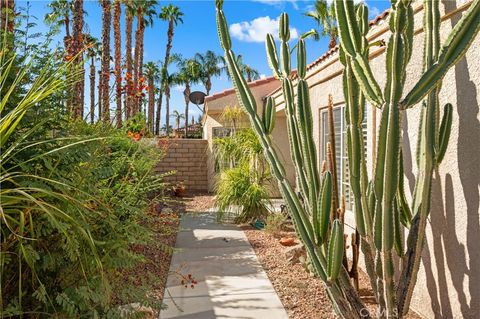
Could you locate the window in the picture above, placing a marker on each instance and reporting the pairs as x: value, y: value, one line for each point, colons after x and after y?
x: 341, y: 155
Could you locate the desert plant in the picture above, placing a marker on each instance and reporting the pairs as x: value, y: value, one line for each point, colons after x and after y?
x: 244, y: 175
x: 241, y: 187
x: 274, y: 223
x: 379, y: 205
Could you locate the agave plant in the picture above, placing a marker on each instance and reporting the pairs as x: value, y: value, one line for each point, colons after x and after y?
x: 381, y: 210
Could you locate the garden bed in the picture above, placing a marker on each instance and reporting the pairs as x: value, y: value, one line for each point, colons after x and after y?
x: 164, y: 221
x: 302, y: 295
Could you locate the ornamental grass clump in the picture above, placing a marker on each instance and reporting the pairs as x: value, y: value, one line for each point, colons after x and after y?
x: 381, y: 211
x: 243, y: 177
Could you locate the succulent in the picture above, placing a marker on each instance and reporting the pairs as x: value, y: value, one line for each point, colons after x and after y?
x: 380, y: 206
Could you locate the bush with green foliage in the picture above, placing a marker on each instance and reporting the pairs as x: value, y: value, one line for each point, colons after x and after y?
x: 244, y: 176
x: 73, y: 199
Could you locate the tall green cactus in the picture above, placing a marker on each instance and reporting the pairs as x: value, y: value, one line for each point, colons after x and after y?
x: 391, y: 210
x: 380, y: 205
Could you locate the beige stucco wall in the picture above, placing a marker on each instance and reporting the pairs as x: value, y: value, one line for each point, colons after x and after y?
x: 448, y: 283
x: 279, y: 135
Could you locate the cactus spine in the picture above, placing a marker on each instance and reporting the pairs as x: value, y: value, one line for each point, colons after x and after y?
x: 381, y: 209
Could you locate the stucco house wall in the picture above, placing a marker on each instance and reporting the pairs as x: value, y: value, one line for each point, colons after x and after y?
x: 448, y: 284
x: 215, y: 105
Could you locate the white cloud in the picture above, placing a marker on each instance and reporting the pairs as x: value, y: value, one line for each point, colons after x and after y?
x: 373, y: 12
x: 279, y: 3
x: 263, y: 76
x: 257, y: 29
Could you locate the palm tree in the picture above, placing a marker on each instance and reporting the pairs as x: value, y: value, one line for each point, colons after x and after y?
x: 178, y: 117
x: 247, y: 71
x: 105, y: 79
x: 152, y: 75
x: 99, y: 87
x: 129, y: 13
x: 145, y: 10
x: 173, y: 15
x: 189, y: 73
x: 117, y: 40
x: 76, y: 50
x: 168, y: 79
x: 160, y: 89
x: 324, y: 15
x: 164, y: 129
x: 59, y: 16
x: 250, y: 73
x: 93, y: 51
x: 211, y: 65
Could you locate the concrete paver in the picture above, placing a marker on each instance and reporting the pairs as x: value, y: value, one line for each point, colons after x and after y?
x: 231, y: 281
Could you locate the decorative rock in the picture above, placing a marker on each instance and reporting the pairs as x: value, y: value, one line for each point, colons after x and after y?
x: 293, y: 254
x: 287, y: 241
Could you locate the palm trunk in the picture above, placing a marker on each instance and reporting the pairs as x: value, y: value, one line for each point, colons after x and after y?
x: 7, y: 8
x: 186, y: 95
x: 167, y: 108
x: 77, y: 46
x: 92, y: 89
x: 117, y: 11
x: 333, y: 42
x: 67, y: 32
x: 159, y: 112
x: 151, y: 104
x: 128, y: 62
x: 140, y: 56
x: 136, y: 65
x: 106, y: 20
x: 7, y: 20
x: 165, y: 65
x: 100, y: 110
x: 208, y: 85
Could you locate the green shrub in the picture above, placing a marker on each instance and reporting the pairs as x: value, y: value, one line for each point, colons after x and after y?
x: 238, y: 186
x: 243, y: 176
x: 73, y: 201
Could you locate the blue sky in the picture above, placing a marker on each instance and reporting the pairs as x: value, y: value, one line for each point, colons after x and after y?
x: 248, y: 21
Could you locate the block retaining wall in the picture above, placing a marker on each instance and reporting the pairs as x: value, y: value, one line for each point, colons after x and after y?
x: 188, y: 157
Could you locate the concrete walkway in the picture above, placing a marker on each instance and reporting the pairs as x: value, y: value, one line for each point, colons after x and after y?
x: 231, y: 281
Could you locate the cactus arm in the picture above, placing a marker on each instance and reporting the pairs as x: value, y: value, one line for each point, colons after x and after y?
x: 294, y: 137
x: 453, y: 50
x: 398, y: 235
x: 325, y: 203
x: 272, y: 56
x: 350, y: 39
x: 335, y: 251
x: 444, y: 133
x: 428, y: 139
x: 269, y: 115
x: 355, y: 144
x: 402, y: 204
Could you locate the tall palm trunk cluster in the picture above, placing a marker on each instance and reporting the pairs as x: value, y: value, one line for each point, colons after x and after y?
x: 135, y: 86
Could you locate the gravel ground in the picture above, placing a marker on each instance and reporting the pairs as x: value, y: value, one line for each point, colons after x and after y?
x: 303, y: 296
